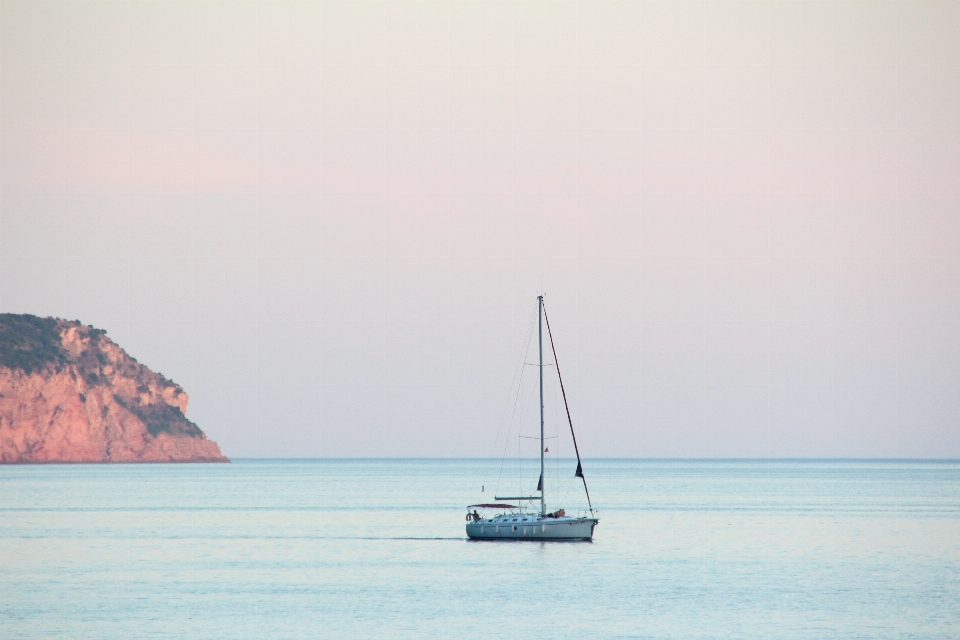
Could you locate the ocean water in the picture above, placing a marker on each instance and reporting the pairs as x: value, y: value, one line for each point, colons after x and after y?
x: 376, y: 549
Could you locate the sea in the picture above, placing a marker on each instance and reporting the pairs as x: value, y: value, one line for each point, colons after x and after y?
x: 377, y: 549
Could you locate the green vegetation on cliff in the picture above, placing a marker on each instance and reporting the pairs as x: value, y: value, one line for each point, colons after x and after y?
x: 30, y: 343
x: 162, y: 418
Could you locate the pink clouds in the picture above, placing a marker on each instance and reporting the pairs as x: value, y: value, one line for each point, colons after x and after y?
x: 48, y: 155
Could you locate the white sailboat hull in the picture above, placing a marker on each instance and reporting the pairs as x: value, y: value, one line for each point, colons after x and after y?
x: 539, y: 529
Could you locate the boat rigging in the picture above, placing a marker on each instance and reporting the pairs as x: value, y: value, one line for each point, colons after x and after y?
x: 543, y: 526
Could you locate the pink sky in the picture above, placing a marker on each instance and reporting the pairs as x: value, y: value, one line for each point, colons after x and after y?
x: 329, y: 221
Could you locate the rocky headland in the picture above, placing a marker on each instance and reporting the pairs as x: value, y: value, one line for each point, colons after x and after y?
x: 69, y: 394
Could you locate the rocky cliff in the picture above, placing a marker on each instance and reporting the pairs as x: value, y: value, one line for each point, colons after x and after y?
x: 69, y: 394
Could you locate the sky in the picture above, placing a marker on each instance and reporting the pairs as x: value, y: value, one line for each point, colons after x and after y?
x: 330, y: 221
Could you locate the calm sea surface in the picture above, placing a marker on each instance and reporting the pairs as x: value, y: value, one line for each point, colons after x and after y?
x: 376, y: 548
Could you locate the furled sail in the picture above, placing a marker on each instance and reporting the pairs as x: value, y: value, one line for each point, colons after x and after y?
x: 579, y: 473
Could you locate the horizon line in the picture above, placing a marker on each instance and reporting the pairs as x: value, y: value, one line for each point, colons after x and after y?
x: 600, y: 458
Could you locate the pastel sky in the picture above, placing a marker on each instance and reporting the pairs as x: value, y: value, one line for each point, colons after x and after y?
x: 329, y: 221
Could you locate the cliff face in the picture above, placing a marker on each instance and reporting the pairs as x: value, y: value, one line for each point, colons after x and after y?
x: 70, y: 394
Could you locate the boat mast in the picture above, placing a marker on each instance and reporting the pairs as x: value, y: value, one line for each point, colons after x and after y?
x: 543, y: 502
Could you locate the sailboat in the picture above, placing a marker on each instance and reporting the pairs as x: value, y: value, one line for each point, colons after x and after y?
x: 515, y: 524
